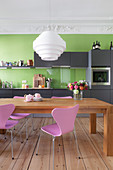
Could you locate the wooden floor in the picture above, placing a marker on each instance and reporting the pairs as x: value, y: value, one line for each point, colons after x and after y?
x: 90, y: 146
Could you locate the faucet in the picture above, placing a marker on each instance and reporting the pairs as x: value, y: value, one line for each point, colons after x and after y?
x: 9, y: 84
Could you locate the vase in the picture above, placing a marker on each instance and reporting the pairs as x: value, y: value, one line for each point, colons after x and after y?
x: 78, y: 96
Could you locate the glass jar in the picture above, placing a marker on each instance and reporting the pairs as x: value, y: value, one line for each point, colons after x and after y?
x: 78, y: 96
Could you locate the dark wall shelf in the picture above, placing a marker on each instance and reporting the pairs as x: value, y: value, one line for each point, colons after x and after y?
x: 16, y: 67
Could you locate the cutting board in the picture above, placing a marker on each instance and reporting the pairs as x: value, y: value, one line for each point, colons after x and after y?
x: 38, y: 79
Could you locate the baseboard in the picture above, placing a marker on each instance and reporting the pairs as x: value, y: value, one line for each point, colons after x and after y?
x: 79, y: 115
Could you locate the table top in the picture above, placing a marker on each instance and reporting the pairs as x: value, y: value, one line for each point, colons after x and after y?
x: 56, y: 103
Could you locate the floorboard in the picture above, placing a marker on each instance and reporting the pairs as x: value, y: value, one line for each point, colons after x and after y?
x: 66, y: 154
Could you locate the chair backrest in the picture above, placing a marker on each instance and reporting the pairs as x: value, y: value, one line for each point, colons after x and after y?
x: 65, y: 118
x: 5, y: 112
x: 17, y: 97
x: 65, y: 97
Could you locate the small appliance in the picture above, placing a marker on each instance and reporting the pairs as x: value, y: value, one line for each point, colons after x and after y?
x: 48, y: 81
x: 100, y: 76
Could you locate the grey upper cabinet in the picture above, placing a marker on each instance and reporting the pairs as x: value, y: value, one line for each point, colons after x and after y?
x: 63, y: 60
x: 79, y: 59
x: 38, y: 62
x: 100, y: 58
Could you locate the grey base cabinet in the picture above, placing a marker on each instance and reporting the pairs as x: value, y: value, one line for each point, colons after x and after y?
x: 103, y: 95
x: 62, y: 92
x: 86, y: 93
x: 5, y: 93
x: 111, y: 97
x: 46, y: 93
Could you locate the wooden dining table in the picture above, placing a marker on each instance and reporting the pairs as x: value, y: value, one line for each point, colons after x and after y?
x: 86, y: 105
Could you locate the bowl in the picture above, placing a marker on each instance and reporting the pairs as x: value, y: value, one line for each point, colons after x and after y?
x: 39, y: 99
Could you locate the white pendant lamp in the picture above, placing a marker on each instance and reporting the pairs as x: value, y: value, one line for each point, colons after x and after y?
x: 49, y: 45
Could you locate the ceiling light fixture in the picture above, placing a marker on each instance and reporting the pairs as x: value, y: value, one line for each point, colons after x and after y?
x: 49, y: 45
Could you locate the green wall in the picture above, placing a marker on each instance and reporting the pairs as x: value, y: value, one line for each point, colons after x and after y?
x: 20, y: 47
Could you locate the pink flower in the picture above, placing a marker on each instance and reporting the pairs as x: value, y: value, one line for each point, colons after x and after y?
x: 76, y: 87
x: 81, y: 84
x: 71, y: 88
x: 86, y: 87
x: 75, y: 82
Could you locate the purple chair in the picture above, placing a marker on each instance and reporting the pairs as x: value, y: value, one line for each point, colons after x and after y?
x: 18, y: 116
x: 65, y: 97
x: 5, y: 112
x: 65, y: 119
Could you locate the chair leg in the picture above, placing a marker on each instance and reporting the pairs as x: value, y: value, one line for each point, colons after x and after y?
x: 21, y: 136
x: 12, y: 144
x: 32, y: 122
x: 38, y: 143
x: 53, y: 151
x: 26, y: 131
x: 5, y: 134
x: 76, y: 143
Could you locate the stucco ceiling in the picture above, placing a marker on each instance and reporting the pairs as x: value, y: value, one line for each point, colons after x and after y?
x: 37, y: 15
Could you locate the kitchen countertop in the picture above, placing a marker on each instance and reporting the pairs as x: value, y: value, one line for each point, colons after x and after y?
x: 34, y: 89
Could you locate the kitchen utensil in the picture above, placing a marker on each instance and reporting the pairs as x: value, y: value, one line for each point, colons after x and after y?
x: 26, y: 86
x: 1, y: 63
x: 21, y: 63
x: 29, y: 62
x: 48, y: 81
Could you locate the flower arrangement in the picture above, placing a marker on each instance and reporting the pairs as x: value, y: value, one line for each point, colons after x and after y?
x: 78, y: 86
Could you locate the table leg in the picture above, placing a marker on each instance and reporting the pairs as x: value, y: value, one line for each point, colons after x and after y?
x: 92, y: 123
x: 108, y: 132
x: 2, y: 131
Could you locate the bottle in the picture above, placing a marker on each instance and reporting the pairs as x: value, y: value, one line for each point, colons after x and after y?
x: 99, y: 45
x: 93, y: 46
x: 3, y: 84
x: 111, y: 47
x: 96, y: 45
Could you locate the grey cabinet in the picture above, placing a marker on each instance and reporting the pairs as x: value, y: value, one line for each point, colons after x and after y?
x: 61, y: 92
x: 5, y: 93
x: 111, y: 97
x: 73, y: 59
x: 100, y: 58
x: 38, y: 62
x: 63, y: 60
x: 101, y: 94
x: 46, y: 93
x: 86, y: 93
x: 111, y: 52
x: 79, y: 59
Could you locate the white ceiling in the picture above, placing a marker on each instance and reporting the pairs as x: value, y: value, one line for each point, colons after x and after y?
x: 64, y: 16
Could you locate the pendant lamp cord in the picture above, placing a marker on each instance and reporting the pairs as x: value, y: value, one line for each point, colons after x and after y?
x: 49, y: 15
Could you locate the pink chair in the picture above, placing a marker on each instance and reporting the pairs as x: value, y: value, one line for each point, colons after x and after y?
x: 18, y: 116
x: 65, y: 119
x: 65, y: 97
x: 5, y: 112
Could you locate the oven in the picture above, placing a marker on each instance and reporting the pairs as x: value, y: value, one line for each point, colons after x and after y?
x: 100, y: 75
